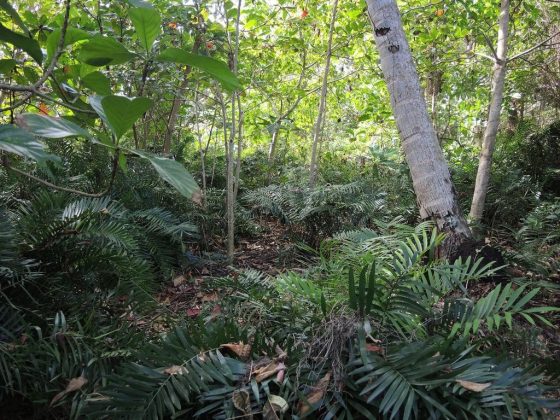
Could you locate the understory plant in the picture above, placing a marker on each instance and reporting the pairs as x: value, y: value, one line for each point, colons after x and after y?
x: 405, y: 338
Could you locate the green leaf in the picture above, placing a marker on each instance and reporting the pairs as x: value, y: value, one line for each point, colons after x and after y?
x: 97, y: 82
x: 172, y: 172
x: 95, y: 102
x: 140, y: 3
x: 103, y: 51
x: 217, y: 69
x: 122, y: 112
x: 73, y: 35
x: 7, y: 65
x: 16, y: 140
x: 50, y: 127
x: 7, y: 7
x: 147, y: 23
x: 29, y: 45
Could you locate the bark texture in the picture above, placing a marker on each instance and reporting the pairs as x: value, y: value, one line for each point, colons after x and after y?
x: 431, y: 178
x: 491, y: 131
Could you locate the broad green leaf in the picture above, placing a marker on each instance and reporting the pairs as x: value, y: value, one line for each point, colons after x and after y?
x: 97, y: 82
x: 7, y: 65
x: 217, y: 69
x: 140, y: 3
x: 95, y: 102
x: 7, y: 7
x: 16, y: 140
x: 103, y: 51
x: 29, y: 45
x: 73, y: 35
x: 122, y: 112
x: 147, y: 23
x: 172, y: 172
x: 50, y: 127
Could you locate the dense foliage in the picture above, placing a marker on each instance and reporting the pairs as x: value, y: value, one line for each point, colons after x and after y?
x: 139, y: 140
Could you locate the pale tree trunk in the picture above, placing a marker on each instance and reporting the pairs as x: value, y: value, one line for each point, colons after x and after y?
x: 241, y: 118
x: 230, y: 199
x: 491, y: 131
x: 318, y: 129
x: 277, y: 123
x: 272, y: 153
x: 176, y: 105
x: 430, y: 174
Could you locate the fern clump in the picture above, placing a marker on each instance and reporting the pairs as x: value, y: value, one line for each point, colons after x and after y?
x: 321, y: 212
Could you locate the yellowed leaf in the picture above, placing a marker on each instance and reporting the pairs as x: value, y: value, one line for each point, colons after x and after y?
x: 177, y: 281
x: 274, y: 405
x: 267, y: 371
x: 240, y: 349
x: 197, y: 197
x: 473, y: 386
x: 315, y: 395
x: 174, y: 370
x: 242, y: 401
x: 74, y: 385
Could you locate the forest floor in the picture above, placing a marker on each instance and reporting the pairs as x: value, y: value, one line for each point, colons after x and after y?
x: 273, y: 252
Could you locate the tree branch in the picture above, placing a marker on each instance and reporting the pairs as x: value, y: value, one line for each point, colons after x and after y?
x: 533, y: 48
x: 34, y: 88
x: 8, y: 166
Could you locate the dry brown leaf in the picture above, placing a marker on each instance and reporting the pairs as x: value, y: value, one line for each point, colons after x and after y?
x: 315, y: 395
x: 177, y: 281
x: 242, y: 401
x: 196, y: 197
x: 240, y: 349
x: 473, y: 386
x: 74, y: 385
x: 210, y: 297
x: 43, y: 109
x: 173, y: 370
x: 275, y: 404
x: 267, y: 371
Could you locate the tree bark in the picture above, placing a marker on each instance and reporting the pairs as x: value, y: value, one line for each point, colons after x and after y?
x: 318, y: 129
x: 430, y: 174
x: 491, y: 131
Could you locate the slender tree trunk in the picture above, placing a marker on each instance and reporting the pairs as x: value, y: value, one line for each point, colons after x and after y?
x: 430, y: 174
x: 176, y: 106
x: 317, y: 132
x: 272, y: 153
x: 239, y: 149
x: 230, y: 200
x: 230, y: 204
x: 489, y: 140
x: 282, y: 116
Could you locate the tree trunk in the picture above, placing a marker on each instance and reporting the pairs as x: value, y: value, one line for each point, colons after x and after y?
x: 489, y: 141
x: 317, y: 132
x: 230, y: 201
x: 272, y: 154
x: 430, y: 174
x: 177, y: 100
x: 241, y: 120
